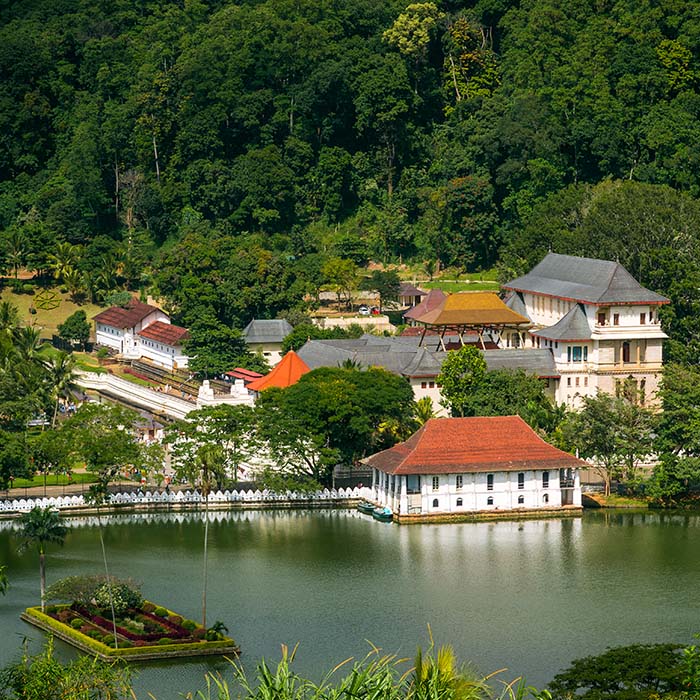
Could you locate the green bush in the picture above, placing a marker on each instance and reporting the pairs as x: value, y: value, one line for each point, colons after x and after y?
x: 161, y: 612
x: 175, y: 619
x: 107, y: 639
x: 125, y: 644
x: 164, y: 640
x: 148, y: 607
x: 123, y: 597
x: 102, y: 353
x: 189, y: 625
x: 76, y: 623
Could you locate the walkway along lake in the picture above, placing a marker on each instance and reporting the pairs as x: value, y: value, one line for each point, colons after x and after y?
x: 529, y: 595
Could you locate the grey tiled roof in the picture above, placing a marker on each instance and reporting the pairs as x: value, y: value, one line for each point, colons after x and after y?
x: 573, y: 326
x: 412, y: 361
x: 264, y: 331
x: 586, y: 280
x: 424, y: 364
x: 539, y: 362
x: 515, y: 303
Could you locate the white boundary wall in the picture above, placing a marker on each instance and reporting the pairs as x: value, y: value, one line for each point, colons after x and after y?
x: 178, y: 498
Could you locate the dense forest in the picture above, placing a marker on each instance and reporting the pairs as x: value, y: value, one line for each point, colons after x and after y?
x: 227, y: 156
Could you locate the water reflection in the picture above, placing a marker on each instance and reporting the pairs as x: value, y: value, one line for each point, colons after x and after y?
x: 529, y: 595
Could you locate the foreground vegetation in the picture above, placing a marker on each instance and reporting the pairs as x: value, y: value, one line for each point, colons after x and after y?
x: 638, y: 672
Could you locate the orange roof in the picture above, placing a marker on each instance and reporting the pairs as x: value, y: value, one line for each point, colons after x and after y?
x: 471, y: 309
x: 461, y: 445
x: 289, y: 371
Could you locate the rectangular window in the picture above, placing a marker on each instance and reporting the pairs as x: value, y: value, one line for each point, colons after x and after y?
x: 568, y: 353
x: 545, y: 480
x: 602, y: 318
x: 625, y: 352
x: 489, y: 482
x: 424, y: 385
x: 413, y: 483
x: 436, y: 483
x: 459, y: 481
x: 585, y: 354
x: 585, y: 381
x: 616, y: 319
x: 568, y: 381
x: 521, y: 480
x: 576, y: 353
x: 431, y: 385
x: 577, y: 381
x: 642, y: 319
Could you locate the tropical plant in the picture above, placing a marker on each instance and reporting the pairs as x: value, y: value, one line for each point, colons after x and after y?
x: 42, y: 526
x: 61, y: 378
x: 43, y: 677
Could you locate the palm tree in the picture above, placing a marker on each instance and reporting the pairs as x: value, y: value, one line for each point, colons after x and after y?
x: 27, y: 342
x: 60, y: 373
x: 16, y: 250
x: 423, y: 411
x: 41, y: 526
x: 9, y: 316
x: 63, y: 260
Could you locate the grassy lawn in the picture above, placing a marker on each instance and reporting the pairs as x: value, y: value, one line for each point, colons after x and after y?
x: 462, y: 286
x: 615, y: 501
x: 47, y: 320
x: 55, y: 480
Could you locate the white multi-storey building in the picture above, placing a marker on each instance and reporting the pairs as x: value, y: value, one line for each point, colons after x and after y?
x: 600, y: 324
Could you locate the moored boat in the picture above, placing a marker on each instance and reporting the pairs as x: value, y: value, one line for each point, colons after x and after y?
x: 366, y: 507
x: 383, y: 514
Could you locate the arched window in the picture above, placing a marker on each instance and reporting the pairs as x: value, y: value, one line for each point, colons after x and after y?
x: 489, y: 501
x: 521, y: 500
x: 459, y: 502
x: 436, y: 503
x: 545, y: 498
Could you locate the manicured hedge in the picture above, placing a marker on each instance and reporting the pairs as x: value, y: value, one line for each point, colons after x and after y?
x: 85, y: 642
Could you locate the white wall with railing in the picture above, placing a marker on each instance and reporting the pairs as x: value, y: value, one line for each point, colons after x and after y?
x: 178, y: 498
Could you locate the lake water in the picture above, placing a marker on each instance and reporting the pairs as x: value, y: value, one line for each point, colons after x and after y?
x: 530, y: 596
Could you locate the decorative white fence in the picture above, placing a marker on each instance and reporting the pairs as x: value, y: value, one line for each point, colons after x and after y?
x: 327, y: 496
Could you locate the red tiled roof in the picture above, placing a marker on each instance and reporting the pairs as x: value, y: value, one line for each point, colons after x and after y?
x: 461, y: 445
x: 119, y: 317
x: 165, y: 333
x: 432, y: 300
x: 289, y: 371
x: 247, y: 375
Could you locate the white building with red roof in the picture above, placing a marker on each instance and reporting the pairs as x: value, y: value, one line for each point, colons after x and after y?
x: 455, y: 467
x: 162, y: 343
x: 118, y: 326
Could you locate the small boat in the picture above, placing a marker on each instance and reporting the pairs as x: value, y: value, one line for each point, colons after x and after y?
x: 366, y: 507
x: 383, y: 514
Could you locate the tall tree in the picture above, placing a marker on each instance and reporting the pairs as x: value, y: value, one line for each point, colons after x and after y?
x: 42, y: 526
x: 462, y: 371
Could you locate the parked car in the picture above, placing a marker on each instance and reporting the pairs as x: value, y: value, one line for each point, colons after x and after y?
x: 363, y: 311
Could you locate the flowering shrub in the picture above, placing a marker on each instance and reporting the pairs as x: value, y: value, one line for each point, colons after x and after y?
x: 123, y: 597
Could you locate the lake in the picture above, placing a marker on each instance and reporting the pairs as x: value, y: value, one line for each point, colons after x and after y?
x: 530, y: 596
